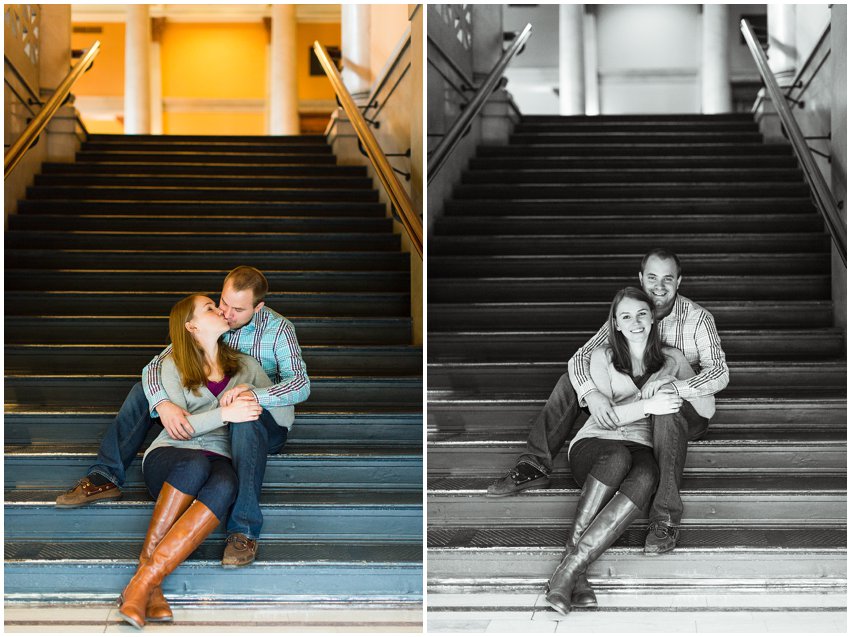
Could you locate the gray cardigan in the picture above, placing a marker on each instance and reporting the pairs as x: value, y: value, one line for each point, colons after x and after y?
x: 211, y: 434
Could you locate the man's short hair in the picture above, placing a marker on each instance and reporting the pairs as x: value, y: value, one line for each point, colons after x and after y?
x: 244, y: 277
x: 661, y: 253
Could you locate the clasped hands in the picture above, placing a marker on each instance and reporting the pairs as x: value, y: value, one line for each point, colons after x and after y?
x: 659, y: 398
x: 238, y: 405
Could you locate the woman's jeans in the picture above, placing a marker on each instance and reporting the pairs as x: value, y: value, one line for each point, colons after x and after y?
x: 251, y: 442
x: 211, y: 480
x: 626, y: 466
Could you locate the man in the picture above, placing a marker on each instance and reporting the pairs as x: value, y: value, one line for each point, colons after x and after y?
x: 683, y: 324
x: 255, y: 330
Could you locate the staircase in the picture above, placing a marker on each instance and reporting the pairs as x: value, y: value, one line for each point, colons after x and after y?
x: 96, y: 257
x: 540, y: 234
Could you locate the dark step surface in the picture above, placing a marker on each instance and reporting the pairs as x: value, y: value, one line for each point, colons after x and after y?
x: 170, y: 147
x: 294, y: 171
x: 209, y: 208
x: 575, y: 136
x: 309, y: 156
x: 633, y: 149
x: 631, y: 191
x: 195, y: 194
x: 616, y: 163
x: 188, y: 179
x: 581, y: 176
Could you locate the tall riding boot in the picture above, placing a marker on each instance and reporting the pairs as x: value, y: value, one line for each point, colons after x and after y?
x: 595, y: 495
x: 171, y: 504
x: 607, y: 527
x: 184, y: 537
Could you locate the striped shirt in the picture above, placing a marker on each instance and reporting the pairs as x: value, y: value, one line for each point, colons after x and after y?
x: 269, y: 338
x: 689, y: 328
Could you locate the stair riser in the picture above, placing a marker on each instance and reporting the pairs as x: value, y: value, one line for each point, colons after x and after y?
x: 210, y: 209
x: 155, y: 330
x: 213, y: 224
x: 221, y: 241
x: 200, y: 194
x: 616, y: 191
x: 624, y: 266
x: 356, y: 430
x: 637, y: 175
x: 566, y: 161
x: 633, y: 137
x: 675, y: 208
x: 212, y: 139
x: 650, y: 128
x: 311, y: 157
x: 109, y: 393
x: 124, y: 260
x: 205, y: 149
x: 118, y: 361
x: 228, y: 181
x: 29, y: 280
x: 566, y: 290
x: 94, y: 169
x: 519, y: 151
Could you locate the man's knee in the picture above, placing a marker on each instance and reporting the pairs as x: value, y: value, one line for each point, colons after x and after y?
x: 646, y: 476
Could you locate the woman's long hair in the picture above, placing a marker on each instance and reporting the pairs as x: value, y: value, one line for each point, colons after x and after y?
x: 188, y: 355
x: 654, y: 359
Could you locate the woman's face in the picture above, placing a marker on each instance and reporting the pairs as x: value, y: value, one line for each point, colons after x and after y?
x: 633, y: 318
x: 207, y: 320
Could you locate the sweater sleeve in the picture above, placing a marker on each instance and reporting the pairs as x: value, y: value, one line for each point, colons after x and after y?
x: 202, y: 422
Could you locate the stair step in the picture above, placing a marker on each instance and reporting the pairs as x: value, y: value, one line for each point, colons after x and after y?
x: 89, y: 358
x: 350, y: 428
x: 630, y: 191
x: 252, y: 224
x: 615, y: 163
x: 208, y: 208
x: 622, y: 265
x: 204, y: 149
x: 553, y: 346
x: 198, y: 194
x: 582, y: 176
x: 83, y: 169
x: 633, y: 137
x: 717, y: 499
x: 633, y: 149
x: 309, y: 156
x: 649, y: 118
x: 521, y: 377
x: 24, y: 393
x: 132, y: 140
x: 142, y: 281
x: 761, y: 417
x: 270, y: 241
x: 157, y: 180
x: 562, y: 289
x: 328, y: 571
x: 127, y: 303
x: 672, y: 206
x: 620, y: 126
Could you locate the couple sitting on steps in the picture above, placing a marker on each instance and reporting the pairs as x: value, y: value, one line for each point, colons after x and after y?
x: 648, y: 378
x: 221, y: 416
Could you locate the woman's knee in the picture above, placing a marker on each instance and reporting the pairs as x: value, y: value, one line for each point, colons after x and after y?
x: 612, y: 464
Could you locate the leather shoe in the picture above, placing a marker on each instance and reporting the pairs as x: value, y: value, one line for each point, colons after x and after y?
x: 85, y: 491
x: 661, y: 538
x: 240, y: 551
x: 523, y: 476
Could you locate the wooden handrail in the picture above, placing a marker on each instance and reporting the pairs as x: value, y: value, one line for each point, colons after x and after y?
x: 17, y: 151
x: 399, y: 198
x: 818, y: 187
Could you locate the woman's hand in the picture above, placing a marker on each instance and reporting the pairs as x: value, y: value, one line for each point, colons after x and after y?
x: 651, y: 387
x: 663, y: 403
x: 228, y: 397
x: 242, y: 409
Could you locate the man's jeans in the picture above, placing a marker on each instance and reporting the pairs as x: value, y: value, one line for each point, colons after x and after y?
x: 671, y: 434
x: 251, y: 442
x: 557, y: 423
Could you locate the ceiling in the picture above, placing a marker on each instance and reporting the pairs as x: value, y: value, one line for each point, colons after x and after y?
x: 204, y: 12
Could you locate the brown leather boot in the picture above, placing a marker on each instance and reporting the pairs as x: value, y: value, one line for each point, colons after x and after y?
x: 171, y: 504
x: 182, y: 538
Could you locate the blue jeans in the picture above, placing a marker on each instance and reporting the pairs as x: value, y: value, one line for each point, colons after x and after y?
x: 557, y: 423
x: 211, y: 480
x: 124, y: 437
x: 251, y: 443
x: 671, y: 434
x: 626, y: 466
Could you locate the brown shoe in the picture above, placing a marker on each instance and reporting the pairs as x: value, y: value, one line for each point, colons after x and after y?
x: 85, y: 491
x: 240, y: 551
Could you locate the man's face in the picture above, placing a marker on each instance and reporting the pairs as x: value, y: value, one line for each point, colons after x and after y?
x: 660, y: 281
x: 237, y: 307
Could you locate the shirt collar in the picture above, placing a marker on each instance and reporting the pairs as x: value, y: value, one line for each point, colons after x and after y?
x: 248, y: 328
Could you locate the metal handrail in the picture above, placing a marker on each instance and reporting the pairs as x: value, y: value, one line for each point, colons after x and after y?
x: 399, y: 198
x: 455, y: 132
x: 16, y: 153
x: 818, y: 188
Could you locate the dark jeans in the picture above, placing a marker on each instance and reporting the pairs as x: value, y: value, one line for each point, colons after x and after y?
x: 211, y: 480
x: 556, y: 424
x: 671, y: 434
x: 626, y: 466
x: 250, y: 444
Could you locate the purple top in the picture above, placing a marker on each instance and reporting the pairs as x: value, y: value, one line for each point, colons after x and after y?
x: 217, y: 386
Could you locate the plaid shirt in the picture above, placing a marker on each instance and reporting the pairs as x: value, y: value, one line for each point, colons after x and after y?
x: 268, y: 337
x: 689, y: 328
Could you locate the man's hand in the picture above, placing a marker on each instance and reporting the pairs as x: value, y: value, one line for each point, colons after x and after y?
x: 663, y: 402
x: 242, y: 409
x: 228, y: 397
x: 602, y: 410
x: 173, y: 419
x: 651, y: 387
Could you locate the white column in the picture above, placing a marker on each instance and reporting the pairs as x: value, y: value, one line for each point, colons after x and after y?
x: 283, y: 102
x: 355, y: 25
x: 571, y: 59
x: 782, y: 45
x: 137, y: 71
x: 157, y: 26
x: 715, y: 61
x: 592, y: 82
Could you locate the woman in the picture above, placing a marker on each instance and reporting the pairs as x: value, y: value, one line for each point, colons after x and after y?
x: 615, y: 467
x: 192, y: 480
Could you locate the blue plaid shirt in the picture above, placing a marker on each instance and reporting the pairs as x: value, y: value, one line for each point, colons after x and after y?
x: 268, y: 337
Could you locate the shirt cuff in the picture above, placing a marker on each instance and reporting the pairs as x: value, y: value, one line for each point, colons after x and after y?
x: 584, y: 389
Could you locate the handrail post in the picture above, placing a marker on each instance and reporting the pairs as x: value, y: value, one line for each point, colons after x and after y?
x: 818, y: 187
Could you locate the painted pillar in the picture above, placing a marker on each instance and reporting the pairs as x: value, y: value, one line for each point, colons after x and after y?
x: 715, y: 62
x: 782, y: 45
x: 571, y: 59
x: 356, y: 74
x: 137, y: 71
x: 283, y: 93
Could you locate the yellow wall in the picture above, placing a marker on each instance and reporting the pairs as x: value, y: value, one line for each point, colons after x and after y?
x: 387, y: 25
x: 106, y: 76
x: 314, y: 87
